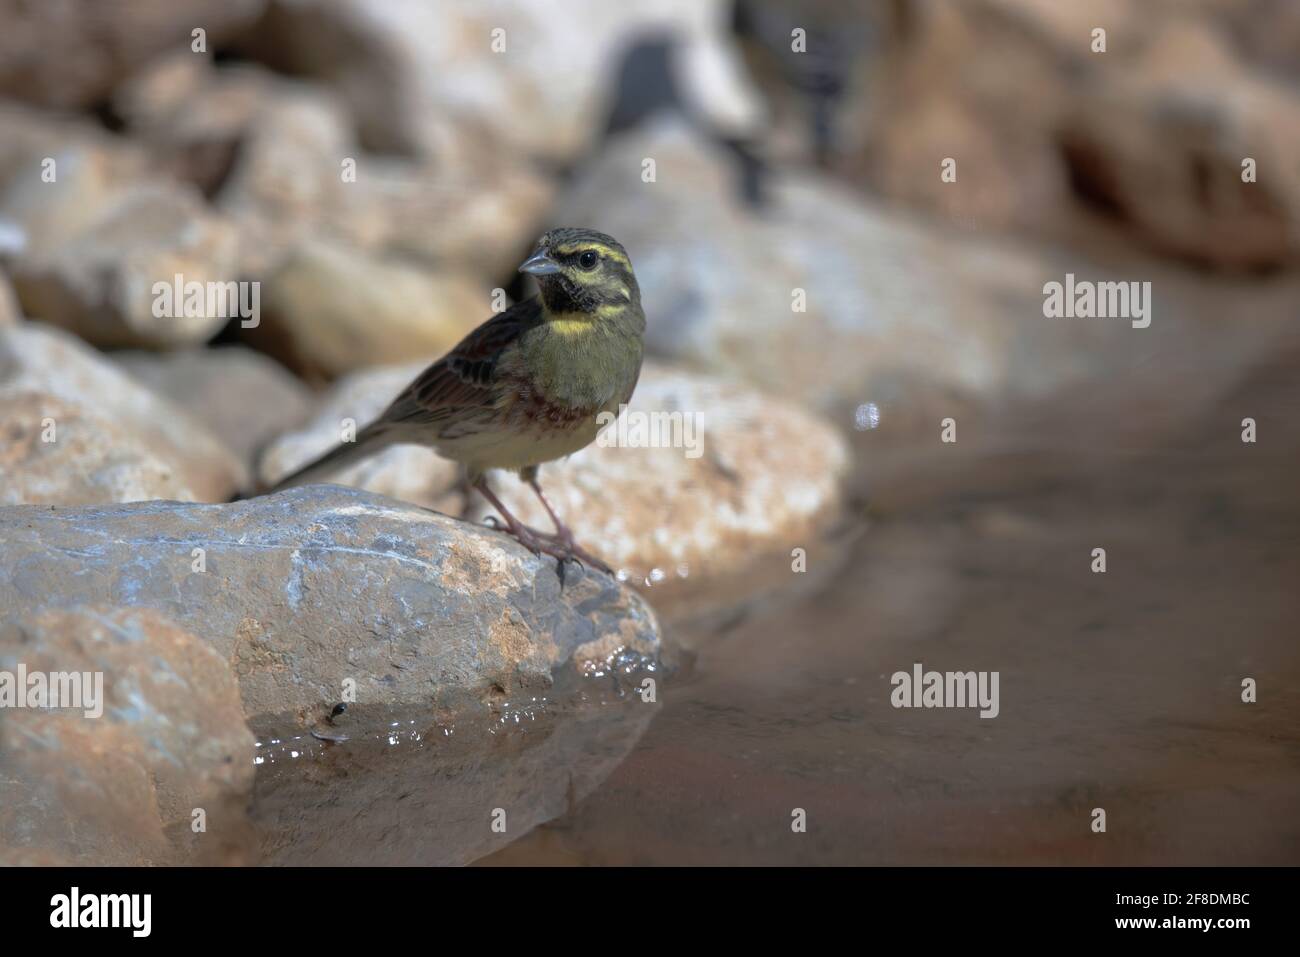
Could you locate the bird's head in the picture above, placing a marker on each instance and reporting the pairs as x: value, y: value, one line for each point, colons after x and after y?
x: 583, y: 273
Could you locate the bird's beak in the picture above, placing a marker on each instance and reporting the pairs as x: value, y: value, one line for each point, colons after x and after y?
x: 539, y: 264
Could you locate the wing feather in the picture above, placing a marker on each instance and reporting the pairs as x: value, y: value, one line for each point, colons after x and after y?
x: 462, y: 385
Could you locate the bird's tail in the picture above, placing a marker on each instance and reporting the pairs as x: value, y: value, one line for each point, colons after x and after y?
x: 371, y: 440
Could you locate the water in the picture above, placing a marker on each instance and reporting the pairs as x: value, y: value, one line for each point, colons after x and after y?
x: 1120, y: 691
x: 379, y: 786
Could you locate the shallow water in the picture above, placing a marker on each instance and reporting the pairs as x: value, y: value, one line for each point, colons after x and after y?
x: 1119, y: 691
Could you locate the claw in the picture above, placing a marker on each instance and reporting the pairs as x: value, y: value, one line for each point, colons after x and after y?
x: 560, y: 545
x: 570, y: 556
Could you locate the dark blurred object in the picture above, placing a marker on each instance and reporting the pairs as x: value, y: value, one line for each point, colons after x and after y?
x: 644, y: 84
x: 752, y: 172
x: 815, y: 66
x: 644, y: 87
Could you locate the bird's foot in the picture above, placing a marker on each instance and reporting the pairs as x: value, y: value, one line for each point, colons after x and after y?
x: 563, y: 536
x: 560, y: 546
x: 564, y: 542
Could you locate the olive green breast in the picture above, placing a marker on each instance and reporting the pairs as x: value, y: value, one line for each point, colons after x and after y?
x: 583, y: 363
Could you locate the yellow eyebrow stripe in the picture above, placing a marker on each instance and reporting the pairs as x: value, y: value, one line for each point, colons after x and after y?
x: 597, y: 247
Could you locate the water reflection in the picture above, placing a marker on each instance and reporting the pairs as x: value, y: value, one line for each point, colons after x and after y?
x: 372, y: 786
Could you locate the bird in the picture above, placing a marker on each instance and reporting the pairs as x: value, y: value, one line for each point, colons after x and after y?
x: 528, y: 386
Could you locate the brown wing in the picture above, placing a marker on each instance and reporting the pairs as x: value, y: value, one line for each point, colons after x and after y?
x: 460, y: 385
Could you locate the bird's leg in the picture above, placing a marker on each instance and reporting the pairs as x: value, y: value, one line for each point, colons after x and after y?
x: 527, y: 537
x: 563, y: 534
x: 561, y: 530
x: 535, y: 541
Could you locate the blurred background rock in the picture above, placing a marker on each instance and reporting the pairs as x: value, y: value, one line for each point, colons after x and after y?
x: 797, y: 148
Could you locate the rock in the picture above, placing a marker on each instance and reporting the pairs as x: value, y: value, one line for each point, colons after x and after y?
x: 712, y: 528
x: 332, y: 308
x: 162, y: 89
x: 190, y: 116
x: 1165, y: 148
x: 497, y: 205
x: 411, y: 473
x: 10, y: 312
x: 72, y: 54
x: 1268, y: 33
x: 57, y: 175
x: 37, y: 360
x: 928, y: 96
x: 1102, y: 148
x: 292, y: 143
x: 703, y: 531
x: 894, y: 307
x: 438, y: 626
x: 116, y: 780
x: 271, y: 153
x: 94, y: 227
x: 426, y: 80
x: 13, y: 240
x: 245, y: 398
x: 289, y: 184
x: 101, y: 282
x: 54, y: 453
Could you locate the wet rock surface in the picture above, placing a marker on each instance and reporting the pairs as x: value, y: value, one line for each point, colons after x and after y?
x: 350, y: 790
x: 422, y: 624
x: 448, y: 610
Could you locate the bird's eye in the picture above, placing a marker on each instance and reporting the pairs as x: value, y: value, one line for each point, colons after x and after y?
x: 588, y: 259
